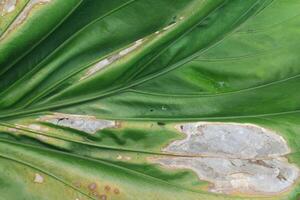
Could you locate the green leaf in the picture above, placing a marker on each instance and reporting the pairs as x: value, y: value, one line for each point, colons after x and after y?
x: 145, y: 99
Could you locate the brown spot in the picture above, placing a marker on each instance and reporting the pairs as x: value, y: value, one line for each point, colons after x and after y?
x: 107, y: 188
x: 92, y: 186
x: 103, y: 197
x: 116, y: 191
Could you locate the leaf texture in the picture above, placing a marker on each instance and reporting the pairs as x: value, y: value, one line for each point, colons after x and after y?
x: 92, y: 94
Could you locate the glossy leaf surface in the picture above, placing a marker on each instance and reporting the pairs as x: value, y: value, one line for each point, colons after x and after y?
x: 94, y: 93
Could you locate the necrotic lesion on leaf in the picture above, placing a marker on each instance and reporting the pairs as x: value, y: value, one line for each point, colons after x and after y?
x: 103, y: 63
x: 88, y: 124
x: 111, y: 59
x: 242, y: 158
x: 9, y: 6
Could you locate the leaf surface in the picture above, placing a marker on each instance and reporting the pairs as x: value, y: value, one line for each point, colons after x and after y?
x: 94, y: 95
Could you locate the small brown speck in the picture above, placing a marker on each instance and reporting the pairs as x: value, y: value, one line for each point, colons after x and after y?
x: 107, y: 188
x: 103, y: 197
x: 92, y: 186
x: 116, y: 191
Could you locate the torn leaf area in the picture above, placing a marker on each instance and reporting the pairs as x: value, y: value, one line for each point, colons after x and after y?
x: 234, y: 158
x: 88, y: 124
